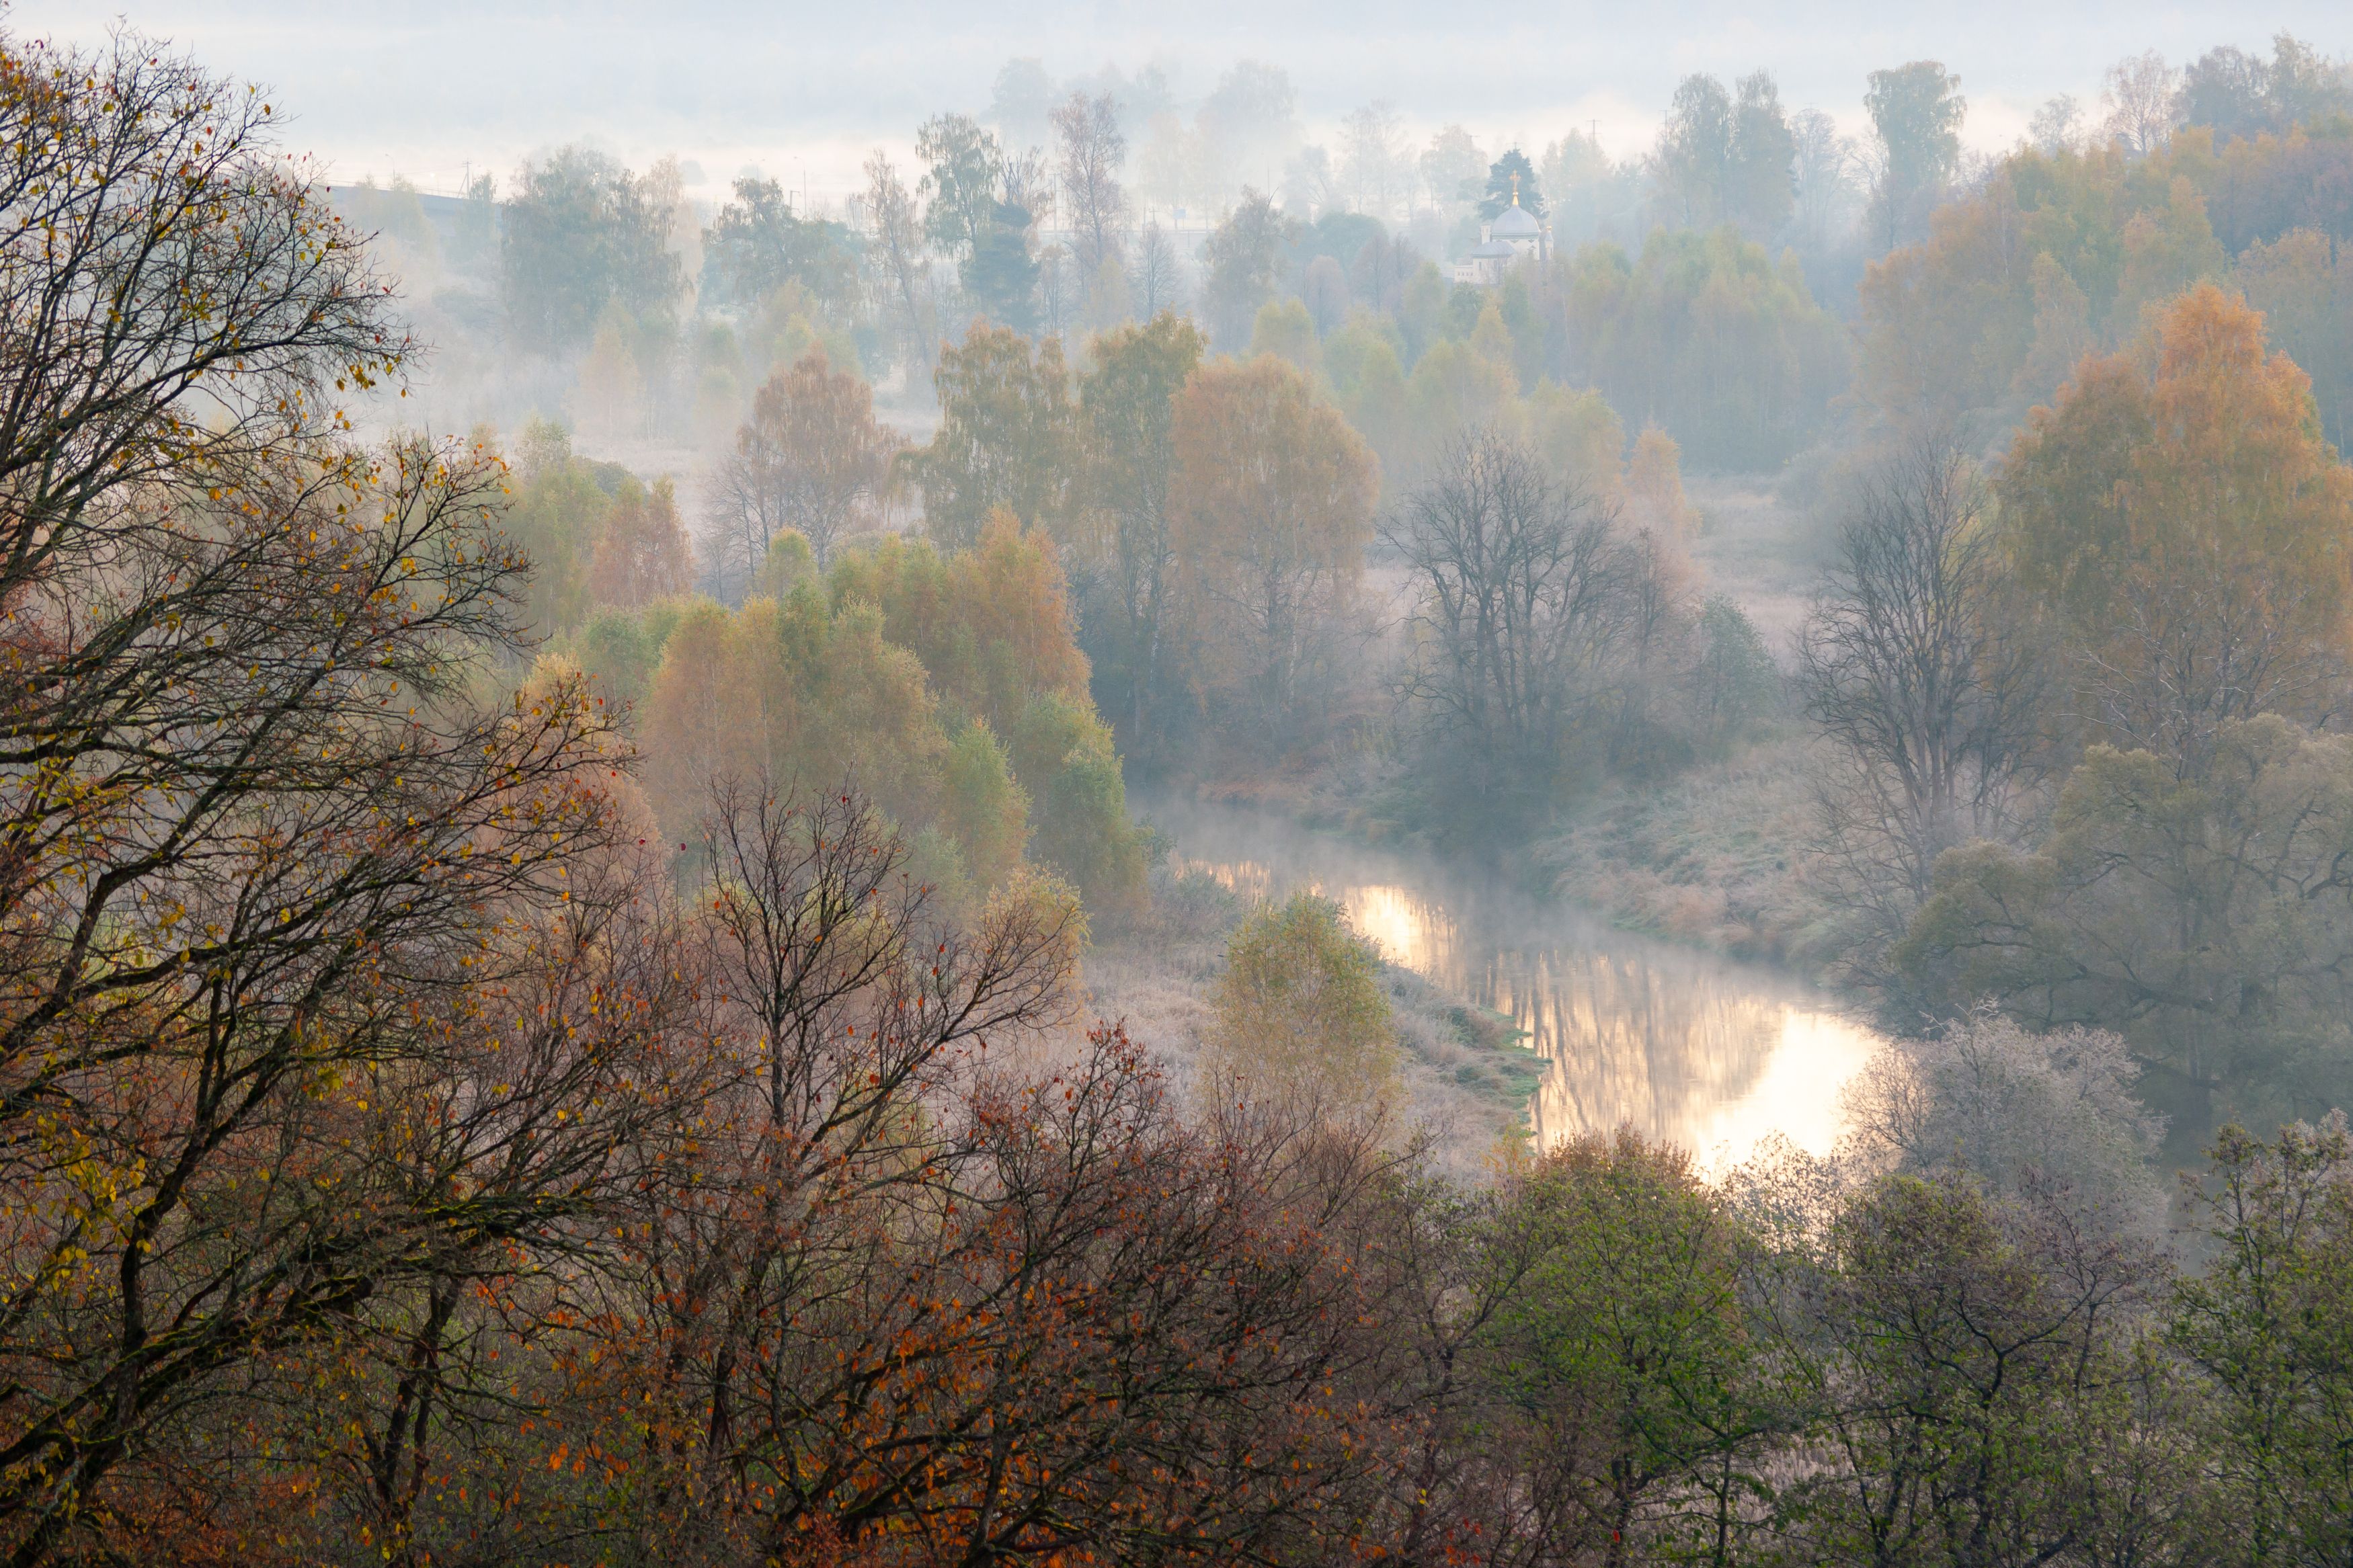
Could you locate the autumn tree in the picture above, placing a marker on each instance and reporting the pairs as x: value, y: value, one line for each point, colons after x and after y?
x: 642, y: 553
x: 263, y: 834
x: 2190, y: 529
x: 1004, y: 1323
x: 1006, y: 439
x: 811, y: 459
x: 1274, y: 498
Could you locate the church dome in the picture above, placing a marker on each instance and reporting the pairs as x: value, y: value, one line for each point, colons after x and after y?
x: 1515, y: 221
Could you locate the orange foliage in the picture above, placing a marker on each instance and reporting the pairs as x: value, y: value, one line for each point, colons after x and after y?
x: 1272, y: 504
x: 643, y: 554
x: 2179, y: 510
x: 1967, y: 322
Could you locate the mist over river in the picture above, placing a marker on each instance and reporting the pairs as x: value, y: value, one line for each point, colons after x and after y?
x: 1712, y: 1054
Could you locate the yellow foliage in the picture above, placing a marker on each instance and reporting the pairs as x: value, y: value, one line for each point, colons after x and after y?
x: 1300, y: 1010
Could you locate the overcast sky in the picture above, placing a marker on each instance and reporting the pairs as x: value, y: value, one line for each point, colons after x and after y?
x: 425, y: 89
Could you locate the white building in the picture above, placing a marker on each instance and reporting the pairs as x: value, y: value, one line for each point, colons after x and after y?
x: 1515, y: 237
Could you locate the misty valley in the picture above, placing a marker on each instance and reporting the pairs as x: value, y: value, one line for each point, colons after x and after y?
x: 1167, y: 824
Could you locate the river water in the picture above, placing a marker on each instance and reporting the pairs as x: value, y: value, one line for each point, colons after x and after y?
x: 1712, y: 1054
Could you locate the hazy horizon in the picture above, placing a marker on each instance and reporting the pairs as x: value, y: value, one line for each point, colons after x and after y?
x: 431, y: 92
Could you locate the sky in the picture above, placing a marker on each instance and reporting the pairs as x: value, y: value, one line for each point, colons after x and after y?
x: 432, y: 90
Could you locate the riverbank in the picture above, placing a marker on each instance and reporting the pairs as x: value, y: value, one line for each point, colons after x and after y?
x: 1520, y: 1017
x: 1712, y: 860
x: 1466, y: 1073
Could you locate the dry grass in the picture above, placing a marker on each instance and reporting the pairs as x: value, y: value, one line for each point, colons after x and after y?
x: 1712, y: 858
x: 1761, y: 552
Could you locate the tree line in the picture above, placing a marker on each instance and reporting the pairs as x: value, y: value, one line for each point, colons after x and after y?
x: 416, y: 1153
x: 2082, y: 707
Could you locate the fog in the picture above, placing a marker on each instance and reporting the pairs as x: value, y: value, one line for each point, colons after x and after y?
x: 428, y: 91
x: 1684, y: 1045
x: 870, y: 786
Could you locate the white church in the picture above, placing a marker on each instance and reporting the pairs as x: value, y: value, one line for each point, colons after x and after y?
x: 1515, y: 237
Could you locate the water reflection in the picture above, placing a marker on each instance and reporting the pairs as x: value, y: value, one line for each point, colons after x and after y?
x: 1710, y: 1054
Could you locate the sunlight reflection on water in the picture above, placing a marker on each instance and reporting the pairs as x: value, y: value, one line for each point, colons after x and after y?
x: 1713, y: 1055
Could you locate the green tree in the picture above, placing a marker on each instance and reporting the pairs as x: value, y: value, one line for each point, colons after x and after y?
x: 1127, y: 399
x: 1706, y: 334
x: 1511, y: 179
x: 583, y: 233
x: 1916, y: 116
x: 1622, y: 1376
x: 2269, y: 1326
x: 555, y: 517
x: 1949, y: 1355
x: 1301, y: 1011
x: 1242, y: 260
x: 1064, y: 757
x: 758, y: 243
x: 1762, y: 188
x: 982, y: 806
x: 1007, y: 437
x: 971, y: 212
x: 1696, y: 155
x: 2205, y: 918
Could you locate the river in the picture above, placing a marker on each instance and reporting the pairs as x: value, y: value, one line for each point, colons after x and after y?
x: 1713, y: 1053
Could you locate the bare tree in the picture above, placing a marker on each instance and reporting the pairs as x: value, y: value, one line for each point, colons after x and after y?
x: 1533, y: 612
x: 1092, y: 150
x: 1158, y: 280
x: 2054, y: 128
x: 2139, y: 95
x: 1908, y: 668
x: 896, y: 228
x: 1373, y: 158
x: 1057, y: 290
x: 1825, y: 167
x: 810, y: 459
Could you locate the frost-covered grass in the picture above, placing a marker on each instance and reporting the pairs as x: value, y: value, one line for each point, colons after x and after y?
x: 1713, y: 857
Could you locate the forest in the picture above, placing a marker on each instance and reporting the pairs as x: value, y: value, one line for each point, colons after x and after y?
x: 614, y: 988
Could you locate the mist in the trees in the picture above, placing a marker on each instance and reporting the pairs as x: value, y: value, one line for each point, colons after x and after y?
x: 1428, y: 788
